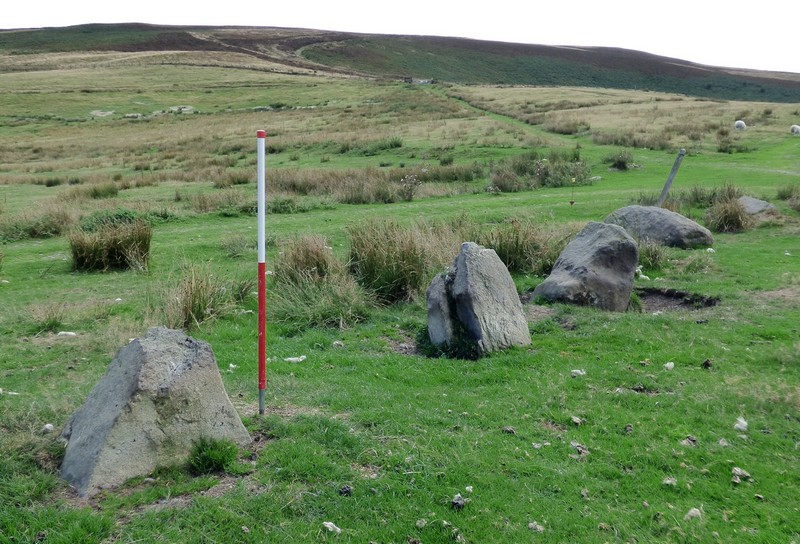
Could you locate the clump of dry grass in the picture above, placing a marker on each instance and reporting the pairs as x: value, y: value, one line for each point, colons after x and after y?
x: 197, y: 296
x: 728, y: 216
x: 392, y: 261
x: 231, y: 200
x: 46, y: 221
x: 313, y: 288
x: 122, y: 246
x: 308, y: 256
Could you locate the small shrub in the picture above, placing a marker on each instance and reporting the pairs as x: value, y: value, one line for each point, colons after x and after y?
x: 408, y: 187
x: 794, y: 203
x: 727, y: 216
x: 506, y: 181
x: 621, y: 160
x: 210, y: 456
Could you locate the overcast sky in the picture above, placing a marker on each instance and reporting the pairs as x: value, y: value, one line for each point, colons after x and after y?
x: 761, y: 35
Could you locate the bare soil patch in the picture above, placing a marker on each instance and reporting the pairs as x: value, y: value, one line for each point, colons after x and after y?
x: 655, y: 299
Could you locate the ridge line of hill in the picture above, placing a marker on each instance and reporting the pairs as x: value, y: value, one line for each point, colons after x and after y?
x: 454, y: 60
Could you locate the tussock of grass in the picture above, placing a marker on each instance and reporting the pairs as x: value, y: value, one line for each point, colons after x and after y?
x: 652, y: 255
x: 212, y: 455
x: 123, y: 246
x: 728, y: 216
x: 195, y: 297
x: 389, y: 260
x: 46, y: 222
x: 312, y: 288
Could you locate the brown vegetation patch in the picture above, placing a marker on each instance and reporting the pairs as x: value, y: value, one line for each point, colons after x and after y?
x: 403, y: 346
x: 535, y: 312
x: 786, y: 295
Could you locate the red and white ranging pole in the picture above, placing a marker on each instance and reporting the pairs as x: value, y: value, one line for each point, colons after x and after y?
x: 262, y: 269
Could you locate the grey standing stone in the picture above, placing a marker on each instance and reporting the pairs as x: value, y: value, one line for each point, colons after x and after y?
x: 161, y: 393
x: 477, y: 298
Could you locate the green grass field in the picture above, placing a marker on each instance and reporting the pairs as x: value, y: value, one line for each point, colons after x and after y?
x: 629, y: 452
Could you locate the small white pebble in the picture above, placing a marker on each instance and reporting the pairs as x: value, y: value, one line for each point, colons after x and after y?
x: 67, y: 333
x: 535, y: 527
x: 331, y: 527
x: 578, y: 372
x: 693, y: 513
x: 711, y: 250
x: 669, y: 366
x: 117, y: 300
x: 295, y: 359
x: 741, y: 424
x: 469, y: 489
x: 48, y: 428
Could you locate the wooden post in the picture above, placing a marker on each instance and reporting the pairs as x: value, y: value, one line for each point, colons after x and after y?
x: 665, y: 190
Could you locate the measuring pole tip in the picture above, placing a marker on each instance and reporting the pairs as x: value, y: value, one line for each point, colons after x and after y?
x: 261, y: 133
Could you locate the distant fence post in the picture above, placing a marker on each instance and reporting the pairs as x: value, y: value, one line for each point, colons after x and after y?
x: 665, y: 190
x: 262, y: 268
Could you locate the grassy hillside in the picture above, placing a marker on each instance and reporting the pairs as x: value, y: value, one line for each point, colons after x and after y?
x: 423, y: 57
x: 373, y: 436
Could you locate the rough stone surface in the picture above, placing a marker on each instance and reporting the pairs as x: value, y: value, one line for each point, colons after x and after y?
x: 595, y: 269
x: 651, y: 223
x: 754, y: 206
x: 161, y: 393
x: 478, y: 300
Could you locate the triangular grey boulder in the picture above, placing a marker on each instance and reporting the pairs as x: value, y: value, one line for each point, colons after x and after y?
x: 595, y: 269
x: 161, y: 394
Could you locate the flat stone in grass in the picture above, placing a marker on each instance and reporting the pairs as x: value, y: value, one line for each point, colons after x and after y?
x: 159, y: 396
x: 651, y: 223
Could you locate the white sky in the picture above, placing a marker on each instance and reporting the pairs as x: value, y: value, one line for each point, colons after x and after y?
x: 761, y: 35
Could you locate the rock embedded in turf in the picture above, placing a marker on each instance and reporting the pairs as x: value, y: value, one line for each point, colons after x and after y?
x: 668, y: 228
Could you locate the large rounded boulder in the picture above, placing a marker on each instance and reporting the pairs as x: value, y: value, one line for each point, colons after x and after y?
x: 654, y: 224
